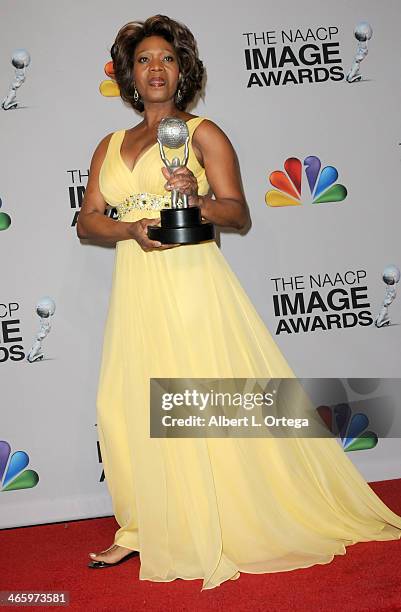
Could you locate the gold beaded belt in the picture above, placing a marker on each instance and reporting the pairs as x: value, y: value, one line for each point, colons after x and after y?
x: 143, y: 201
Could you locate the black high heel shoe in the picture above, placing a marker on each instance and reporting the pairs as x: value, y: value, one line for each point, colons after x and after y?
x: 101, y: 564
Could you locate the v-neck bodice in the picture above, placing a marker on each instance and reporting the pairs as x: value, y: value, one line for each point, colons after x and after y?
x: 138, y: 159
x: 117, y: 181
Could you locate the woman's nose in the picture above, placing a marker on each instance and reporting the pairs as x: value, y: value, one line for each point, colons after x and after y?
x: 156, y: 64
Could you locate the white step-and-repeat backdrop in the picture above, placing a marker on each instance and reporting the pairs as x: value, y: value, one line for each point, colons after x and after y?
x: 309, y: 94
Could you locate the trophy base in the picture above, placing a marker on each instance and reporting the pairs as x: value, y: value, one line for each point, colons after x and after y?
x: 181, y: 226
x: 181, y: 235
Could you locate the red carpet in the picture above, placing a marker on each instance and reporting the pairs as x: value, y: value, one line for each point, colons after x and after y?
x: 54, y: 557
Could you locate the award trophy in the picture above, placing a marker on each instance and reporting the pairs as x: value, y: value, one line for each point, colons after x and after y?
x: 363, y: 32
x: 180, y: 224
x: 45, y: 308
x: 20, y: 60
x: 391, y: 276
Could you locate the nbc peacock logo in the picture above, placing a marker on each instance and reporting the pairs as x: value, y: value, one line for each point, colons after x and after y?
x: 352, y: 428
x: 289, y: 189
x: 13, y: 474
x: 5, y: 219
x: 109, y: 87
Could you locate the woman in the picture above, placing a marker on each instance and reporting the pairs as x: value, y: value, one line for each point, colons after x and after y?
x: 198, y: 507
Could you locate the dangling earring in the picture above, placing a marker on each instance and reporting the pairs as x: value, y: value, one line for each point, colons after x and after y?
x: 136, y: 94
x: 179, y: 95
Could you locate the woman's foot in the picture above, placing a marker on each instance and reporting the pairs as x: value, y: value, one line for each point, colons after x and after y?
x: 111, y: 555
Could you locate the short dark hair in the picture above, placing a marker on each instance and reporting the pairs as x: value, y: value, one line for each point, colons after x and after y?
x: 177, y: 34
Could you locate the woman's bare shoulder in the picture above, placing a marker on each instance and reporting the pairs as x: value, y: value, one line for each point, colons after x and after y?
x: 101, y: 149
x: 106, y: 139
x: 209, y: 132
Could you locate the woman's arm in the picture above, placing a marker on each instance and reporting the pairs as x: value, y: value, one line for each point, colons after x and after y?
x: 92, y: 222
x: 229, y: 208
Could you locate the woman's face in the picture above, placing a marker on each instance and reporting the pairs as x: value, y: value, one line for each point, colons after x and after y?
x: 156, y: 69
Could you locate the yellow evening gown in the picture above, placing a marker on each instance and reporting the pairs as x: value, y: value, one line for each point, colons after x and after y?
x: 208, y: 508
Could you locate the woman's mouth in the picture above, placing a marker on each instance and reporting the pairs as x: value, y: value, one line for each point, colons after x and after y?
x: 157, y: 82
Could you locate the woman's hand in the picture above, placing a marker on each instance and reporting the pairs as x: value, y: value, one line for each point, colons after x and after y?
x: 139, y: 231
x: 184, y: 181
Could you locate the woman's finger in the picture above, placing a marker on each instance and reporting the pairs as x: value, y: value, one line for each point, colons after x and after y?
x: 176, y: 183
x: 166, y: 172
x: 182, y: 170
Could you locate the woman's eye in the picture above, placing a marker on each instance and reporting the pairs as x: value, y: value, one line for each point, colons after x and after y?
x: 142, y: 58
x: 169, y: 57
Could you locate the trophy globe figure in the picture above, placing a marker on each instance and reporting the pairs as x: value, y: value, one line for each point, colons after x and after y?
x: 363, y: 32
x: 45, y: 309
x: 180, y: 223
x: 391, y: 276
x: 20, y: 60
x: 173, y: 133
